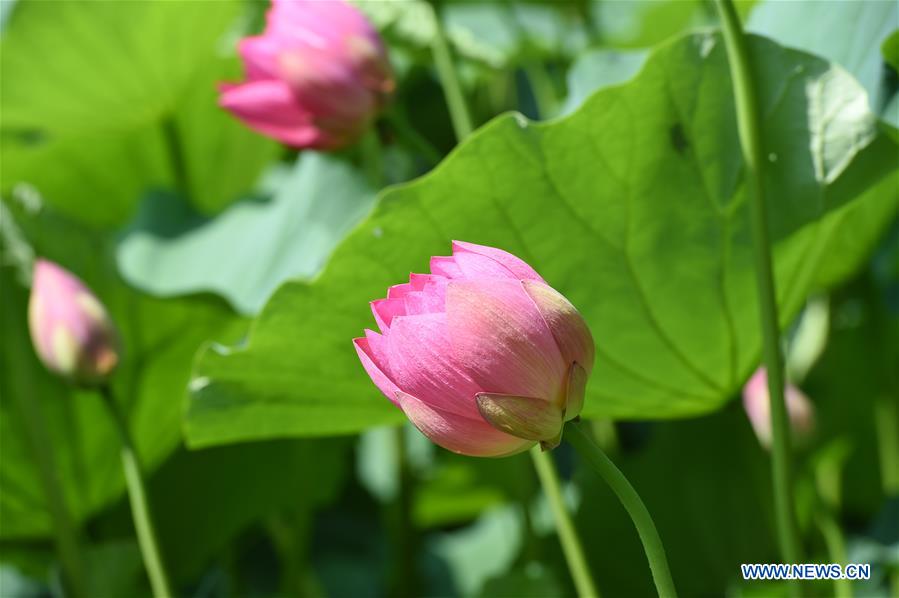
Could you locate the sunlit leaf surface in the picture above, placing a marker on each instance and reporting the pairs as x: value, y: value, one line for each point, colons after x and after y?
x: 633, y: 207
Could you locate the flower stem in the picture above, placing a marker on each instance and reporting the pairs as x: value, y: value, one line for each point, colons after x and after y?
x: 543, y: 90
x: 836, y: 550
x: 174, y: 148
x: 405, y: 578
x: 750, y: 130
x: 449, y: 80
x: 886, y: 415
x: 140, y: 508
x: 372, y: 160
x: 652, y: 544
x: 886, y: 403
x: 571, y: 543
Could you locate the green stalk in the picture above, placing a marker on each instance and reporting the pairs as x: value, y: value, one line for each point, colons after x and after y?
x: 543, y: 89
x: 652, y: 543
x: 372, y: 160
x: 140, y: 508
x: 452, y: 89
x: 836, y: 550
x: 405, y: 573
x: 886, y: 403
x: 174, y: 147
x: 571, y: 543
x: 885, y: 417
x: 749, y: 126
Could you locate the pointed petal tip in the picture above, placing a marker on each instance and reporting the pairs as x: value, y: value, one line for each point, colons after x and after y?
x: 461, y: 435
x: 575, y: 390
x: 524, y: 417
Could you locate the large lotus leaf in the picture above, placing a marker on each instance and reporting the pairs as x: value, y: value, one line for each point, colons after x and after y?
x: 633, y: 207
x: 245, y: 252
x: 160, y: 339
x: 113, y: 94
x: 642, y: 23
x: 849, y: 32
x: 80, y: 66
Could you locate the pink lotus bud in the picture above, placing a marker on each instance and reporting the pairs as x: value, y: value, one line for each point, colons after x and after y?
x: 315, y: 78
x: 482, y: 355
x: 70, y: 329
x: 757, y: 403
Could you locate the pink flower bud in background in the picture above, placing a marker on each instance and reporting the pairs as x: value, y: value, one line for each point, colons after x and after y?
x: 315, y: 78
x: 757, y: 403
x: 482, y: 355
x: 70, y: 329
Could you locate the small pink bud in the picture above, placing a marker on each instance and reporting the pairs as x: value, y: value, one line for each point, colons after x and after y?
x: 70, y: 329
x: 315, y: 78
x: 757, y: 403
x: 482, y: 355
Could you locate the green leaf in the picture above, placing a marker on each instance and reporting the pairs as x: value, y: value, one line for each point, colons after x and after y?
x: 844, y: 31
x: 597, y: 69
x: 171, y: 250
x: 95, y: 89
x: 457, y: 489
x: 85, y: 67
x: 890, y: 50
x: 160, y: 339
x: 531, y: 581
x: 482, y: 550
x: 632, y: 207
x: 642, y: 23
x: 849, y: 233
x: 215, y: 502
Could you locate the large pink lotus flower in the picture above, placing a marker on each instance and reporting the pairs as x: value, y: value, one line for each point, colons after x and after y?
x: 315, y: 78
x: 482, y: 355
x: 70, y: 329
x: 757, y: 404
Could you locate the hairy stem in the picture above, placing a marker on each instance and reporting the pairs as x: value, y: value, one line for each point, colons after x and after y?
x: 568, y: 537
x: 176, y: 156
x: 372, y: 160
x: 405, y: 574
x: 449, y: 80
x: 140, y: 507
x: 752, y: 144
x: 836, y: 550
x: 646, y: 529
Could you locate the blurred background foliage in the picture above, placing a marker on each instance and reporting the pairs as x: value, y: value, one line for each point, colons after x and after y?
x: 118, y: 164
